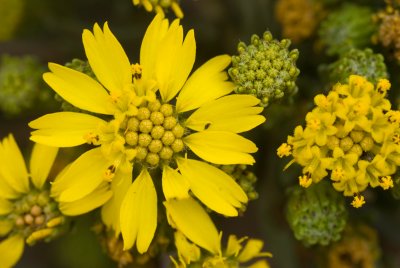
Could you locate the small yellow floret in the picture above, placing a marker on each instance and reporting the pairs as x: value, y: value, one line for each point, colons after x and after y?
x: 386, y: 182
x: 358, y: 201
x: 136, y: 70
x: 284, y: 150
x: 383, y: 85
x: 305, y: 181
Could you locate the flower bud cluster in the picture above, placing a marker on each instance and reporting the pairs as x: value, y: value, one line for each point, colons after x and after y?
x: 266, y: 69
x: 316, y: 215
x: 351, y: 26
x: 360, y: 62
x: 20, y: 84
x: 352, y: 137
x: 35, y: 217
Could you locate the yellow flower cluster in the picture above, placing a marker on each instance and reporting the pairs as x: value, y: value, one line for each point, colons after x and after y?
x: 352, y: 136
x: 28, y: 213
x: 160, y: 5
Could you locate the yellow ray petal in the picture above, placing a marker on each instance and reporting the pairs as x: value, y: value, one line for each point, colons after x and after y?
x: 64, y: 129
x: 11, y: 250
x: 107, y: 58
x: 175, y: 61
x: 42, y: 160
x: 212, y: 186
x: 251, y: 250
x: 5, y: 206
x: 111, y: 210
x: 189, y: 217
x: 88, y: 203
x: 150, y: 46
x: 83, y: 176
x: 174, y: 184
x: 220, y: 147
x: 207, y: 83
x: 139, y: 213
x: 78, y: 89
x: 13, y: 170
x: 5, y: 227
x: 234, y: 113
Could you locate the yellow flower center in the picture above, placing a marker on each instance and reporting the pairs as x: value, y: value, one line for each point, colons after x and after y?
x: 36, y: 216
x: 154, y: 132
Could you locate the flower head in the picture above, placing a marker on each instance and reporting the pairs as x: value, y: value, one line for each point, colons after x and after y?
x: 27, y: 213
x: 352, y: 135
x: 150, y: 116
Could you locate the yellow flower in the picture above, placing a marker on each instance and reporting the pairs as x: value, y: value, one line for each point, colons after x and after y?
x: 151, y: 115
x: 160, y: 5
x: 351, y: 134
x: 27, y: 213
x: 284, y: 150
x: 305, y: 180
x: 386, y: 182
x: 358, y: 201
x: 234, y: 255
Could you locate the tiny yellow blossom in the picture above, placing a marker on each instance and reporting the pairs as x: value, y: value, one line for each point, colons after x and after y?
x: 386, y: 182
x: 358, y: 201
x: 284, y: 150
x: 383, y: 85
x: 305, y: 180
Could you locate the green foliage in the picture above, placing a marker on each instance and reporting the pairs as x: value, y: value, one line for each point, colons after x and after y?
x: 350, y: 26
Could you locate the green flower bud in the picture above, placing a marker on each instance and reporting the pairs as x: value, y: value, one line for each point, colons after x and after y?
x: 360, y: 62
x: 265, y: 69
x: 157, y: 132
x: 168, y: 138
x: 157, y: 118
x: 21, y: 84
x: 131, y: 138
x: 167, y: 109
x: 316, y: 215
x: 143, y: 113
x: 145, y: 126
